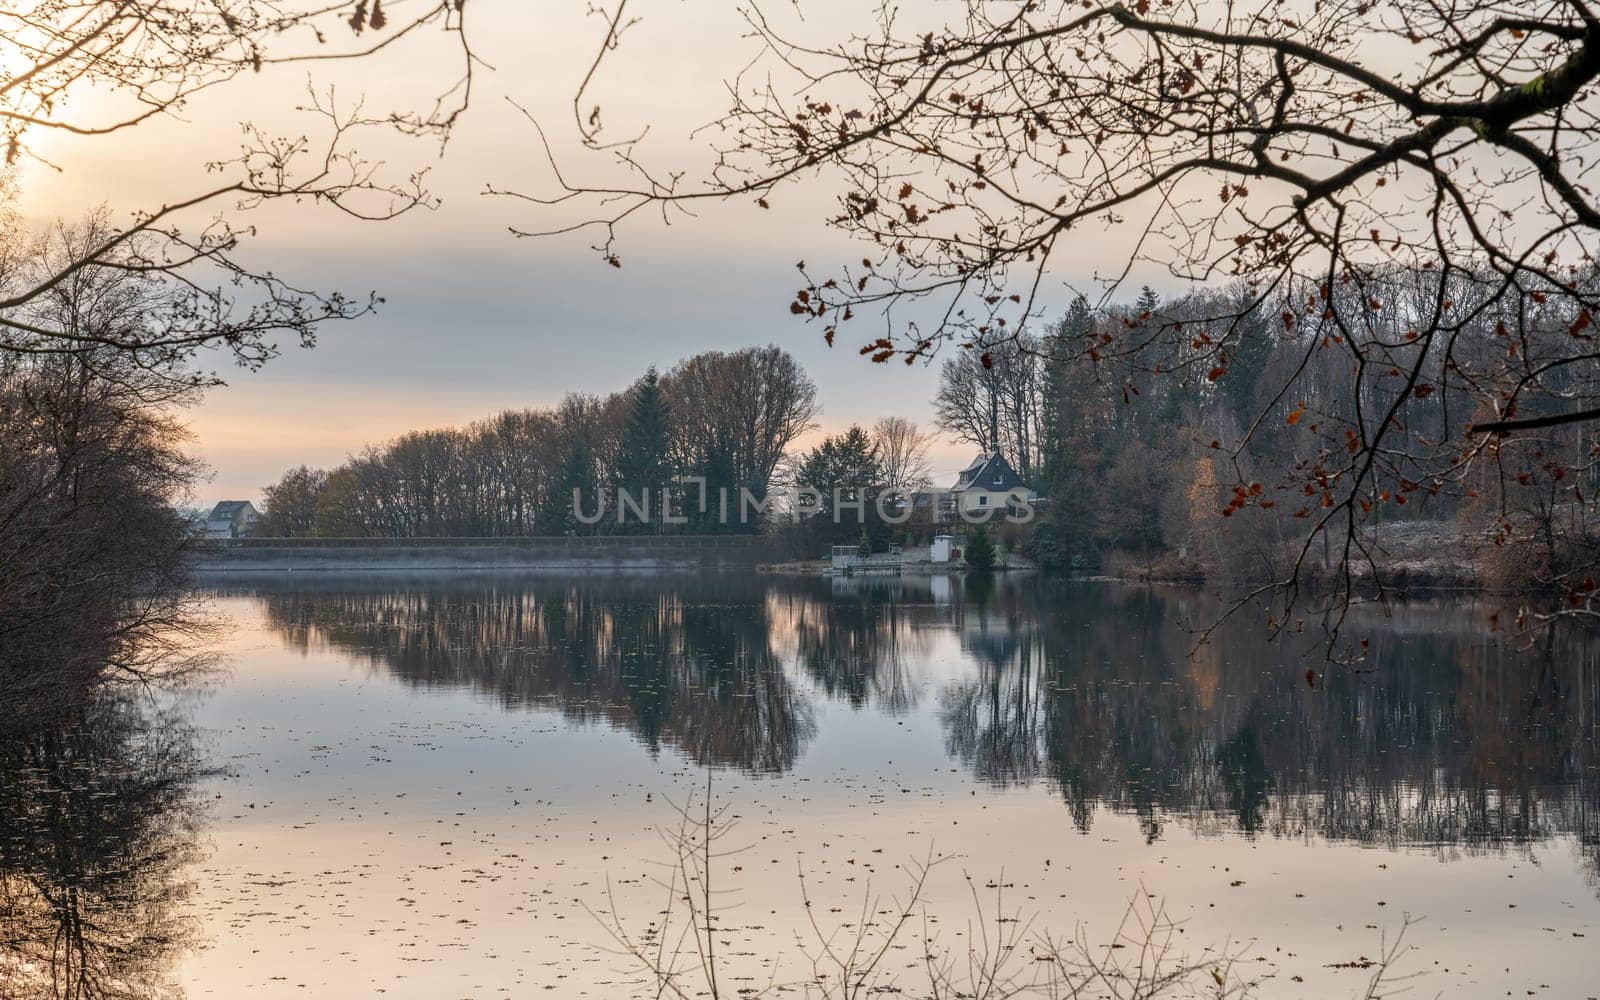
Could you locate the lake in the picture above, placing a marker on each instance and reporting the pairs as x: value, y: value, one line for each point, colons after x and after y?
x: 459, y: 788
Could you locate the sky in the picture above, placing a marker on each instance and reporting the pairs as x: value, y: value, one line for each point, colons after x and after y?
x: 476, y: 320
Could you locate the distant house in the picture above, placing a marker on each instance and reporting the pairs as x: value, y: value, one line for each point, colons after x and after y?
x: 232, y: 519
x: 988, y: 483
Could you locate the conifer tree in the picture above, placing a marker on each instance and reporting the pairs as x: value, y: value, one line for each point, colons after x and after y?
x: 644, y: 466
x: 575, y: 489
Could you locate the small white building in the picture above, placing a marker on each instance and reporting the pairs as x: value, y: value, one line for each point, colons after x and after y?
x: 231, y: 519
x: 939, y: 551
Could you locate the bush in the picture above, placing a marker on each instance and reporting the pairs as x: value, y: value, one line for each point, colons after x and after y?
x: 1057, y: 551
x: 1526, y: 563
x: 980, y: 553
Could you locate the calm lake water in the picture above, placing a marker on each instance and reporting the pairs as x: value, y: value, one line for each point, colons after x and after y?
x: 438, y: 788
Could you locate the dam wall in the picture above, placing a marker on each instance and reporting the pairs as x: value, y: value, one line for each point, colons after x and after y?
x: 602, y: 552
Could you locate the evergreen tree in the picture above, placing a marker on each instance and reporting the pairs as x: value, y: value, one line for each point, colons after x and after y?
x: 1056, y: 396
x: 721, y: 478
x: 1249, y: 349
x: 574, y: 486
x: 1147, y: 421
x: 1071, y: 451
x: 644, y: 466
x: 845, y: 469
x: 979, y: 553
x: 847, y: 462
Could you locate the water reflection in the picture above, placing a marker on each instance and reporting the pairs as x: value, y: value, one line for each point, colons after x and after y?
x: 859, y: 641
x: 688, y: 665
x: 1445, y: 738
x: 99, y: 819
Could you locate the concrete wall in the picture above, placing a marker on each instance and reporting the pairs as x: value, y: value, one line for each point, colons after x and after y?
x: 644, y: 552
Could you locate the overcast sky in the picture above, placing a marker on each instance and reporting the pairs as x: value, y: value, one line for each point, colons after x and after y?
x: 475, y: 319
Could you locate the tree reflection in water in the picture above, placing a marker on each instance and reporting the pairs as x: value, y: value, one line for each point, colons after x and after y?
x: 684, y: 665
x: 1445, y: 736
x: 859, y: 640
x: 99, y: 820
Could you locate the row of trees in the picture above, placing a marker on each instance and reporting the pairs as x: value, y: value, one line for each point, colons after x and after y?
x: 727, y: 417
x: 1189, y: 454
x: 1197, y: 460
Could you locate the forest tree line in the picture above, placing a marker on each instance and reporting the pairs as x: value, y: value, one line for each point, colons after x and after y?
x: 729, y: 417
x: 605, y: 464
x: 1198, y: 465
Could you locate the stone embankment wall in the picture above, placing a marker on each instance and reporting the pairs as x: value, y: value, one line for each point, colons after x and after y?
x: 613, y: 552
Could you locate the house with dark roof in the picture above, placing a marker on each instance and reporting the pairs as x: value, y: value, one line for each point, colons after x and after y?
x: 989, y: 483
x: 232, y: 519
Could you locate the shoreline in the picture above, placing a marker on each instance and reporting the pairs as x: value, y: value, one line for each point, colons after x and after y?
x: 528, y: 554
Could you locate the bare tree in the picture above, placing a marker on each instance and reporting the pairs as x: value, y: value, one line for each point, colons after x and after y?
x: 965, y: 401
x: 756, y: 402
x: 992, y: 399
x: 291, y: 503
x: 91, y: 547
x: 902, y: 453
